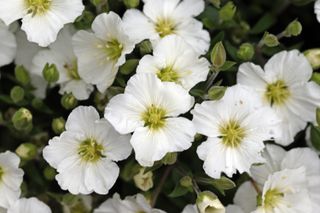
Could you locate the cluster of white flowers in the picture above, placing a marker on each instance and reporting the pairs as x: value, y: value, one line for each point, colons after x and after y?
x: 271, y: 104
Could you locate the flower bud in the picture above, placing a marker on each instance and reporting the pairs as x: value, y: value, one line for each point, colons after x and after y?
x: 227, y: 12
x: 207, y: 202
x: 270, y: 40
x: 143, y: 180
x: 68, y: 101
x: 186, y: 181
x: 246, y: 52
x: 216, y: 92
x: 22, y: 119
x: 218, y: 55
x: 49, y: 173
x: 22, y: 75
x: 318, y: 116
x: 17, y: 94
x: 293, y: 29
x: 313, y: 56
x: 170, y: 158
x: 27, y: 151
x: 131, y: 3
x: 50, y: 73
x: 58, y: 125
x: 145, y: 47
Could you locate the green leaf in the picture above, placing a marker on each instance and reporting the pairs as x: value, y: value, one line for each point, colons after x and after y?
x: 263, y: 24
x: 228, y: 65
x: 315, y: 137
x: 129, y: 67
x: 221, y: 184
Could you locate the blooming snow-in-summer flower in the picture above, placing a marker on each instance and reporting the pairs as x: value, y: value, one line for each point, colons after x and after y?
x: 173, y: 60
x: 167, y: 17
x: 150, y: 108
x: 277, y: 159
x: 285, y: 191
x: 29, y: 205
x: 102, y: 52
x: 284, y: 86
x: 41, y: 19
x: 235, y: 131
x: 8, y: 45
x: 131, y: 204
x: 10, y: 178
x: 61, y: 54
x: 83, y: 155
x: 317, y: 9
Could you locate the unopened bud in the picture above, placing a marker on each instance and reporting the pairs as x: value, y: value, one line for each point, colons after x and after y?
x: 22, y: 119
x: 246, y: 52
x: 50, y: 73
x: 22, y: 75
x: 145, y: 47
x: 131, y: 3
x: 293, y: 29
x: 216, y: 92
x: 218, y: 55
x: 68, y: 101
x: 313, y: 56
x: 58, y: 125
x: 144, y: 181
x: 227, y: 12
x: 17, y: 94
x: 207, y: 202
x: 270, y: 40
x: 186, y: 181
x: 27, y: 151
x: 170, y: 158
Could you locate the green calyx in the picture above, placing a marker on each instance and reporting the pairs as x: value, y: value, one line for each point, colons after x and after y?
x: 168, y: 74
x: 277, y: 93
x: 154, y: 117
x: 72, y: 70
x: 165, y: 27
x: 232, y: 133
x: 90, y: 150
x: 38, y: 7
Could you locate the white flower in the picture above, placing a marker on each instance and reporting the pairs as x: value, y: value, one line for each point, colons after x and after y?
x: 235, y: 131
x: 131, y: 204
x: 284, y: 85
x: 190, y: 209
x: 83, y: 155
x: 30, y: 205
x: 11, y: 178
x: 285, y: 191
x: 277, y: 159
x: 102, y: 52
x: 8, y: 45
x: 61, y: 54
x: 25, y: 52
x: 150, y: 108
x: 166, y: 17
x: 234, y: 209
x: 173, y: 60
x: 41, y: 19
x: 317, y: 9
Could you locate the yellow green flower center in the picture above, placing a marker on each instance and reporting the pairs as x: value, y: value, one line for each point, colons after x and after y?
x: 277, y: 93
x: 38, y: 7
x: 168, y: 74
x: 232, y: 133
x: 165, y: 27
x: 154, y: 117
x: 113, y: 49
x: 90, y: 150
x: 72, y: 70
x: 271, y: 198
x: 1, y: 173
